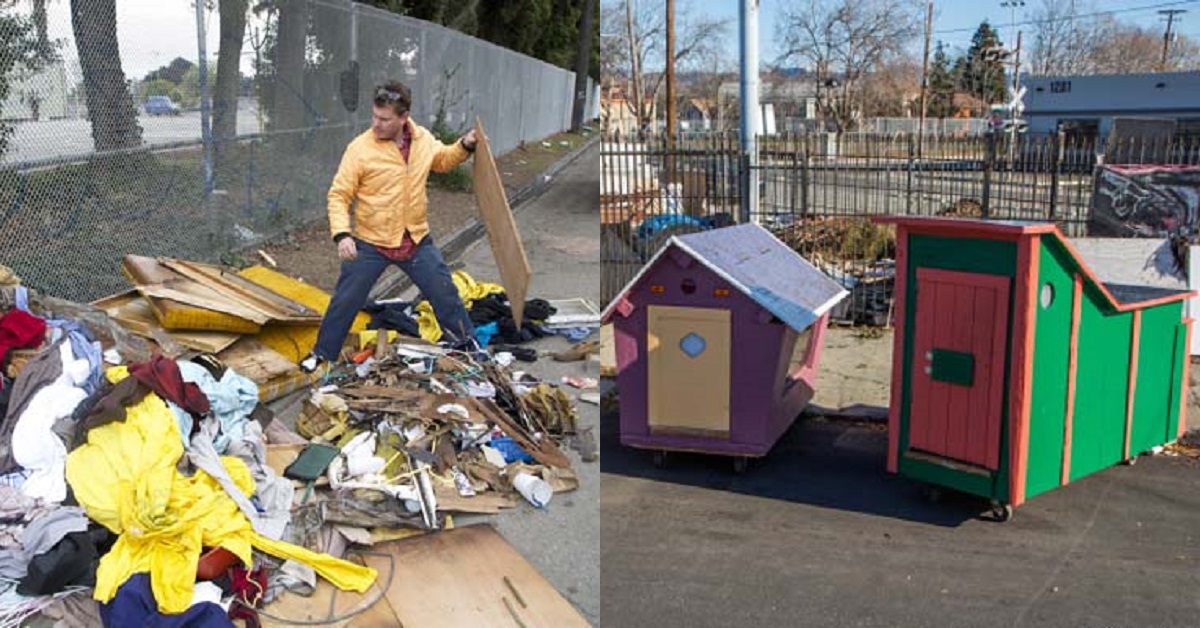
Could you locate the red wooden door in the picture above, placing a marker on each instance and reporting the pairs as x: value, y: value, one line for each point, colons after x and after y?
x: 957, y: 371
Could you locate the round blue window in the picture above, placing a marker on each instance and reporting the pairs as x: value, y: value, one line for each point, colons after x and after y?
x: 692, y: 344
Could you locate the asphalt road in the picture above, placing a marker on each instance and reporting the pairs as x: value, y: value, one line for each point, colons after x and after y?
x: 45, y: 139
x: 818, y: 534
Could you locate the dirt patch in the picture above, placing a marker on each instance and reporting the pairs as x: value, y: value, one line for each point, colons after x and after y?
x: 308, y: 253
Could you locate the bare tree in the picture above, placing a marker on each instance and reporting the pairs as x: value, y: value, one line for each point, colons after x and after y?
x: 642, y: 36
x: 1071, y: 39
x: 843, y: 41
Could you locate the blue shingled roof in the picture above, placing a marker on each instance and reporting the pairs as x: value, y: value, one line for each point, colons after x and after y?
x: 762, y: 267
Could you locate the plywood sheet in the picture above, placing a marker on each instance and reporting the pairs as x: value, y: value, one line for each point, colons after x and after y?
x: 255, y: 361
x: 456, y: 578
x: 689, y: 392
x: 501, y: 228
x: 133, y: 312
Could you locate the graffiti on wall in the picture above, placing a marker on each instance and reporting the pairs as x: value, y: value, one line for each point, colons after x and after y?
x: 1146, y: 201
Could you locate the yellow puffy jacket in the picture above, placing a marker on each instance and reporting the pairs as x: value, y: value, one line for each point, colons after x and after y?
x: 390, y: 192
x: 126, y: 480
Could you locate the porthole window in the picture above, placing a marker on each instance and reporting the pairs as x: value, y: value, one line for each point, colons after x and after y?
x: 1047, y: 297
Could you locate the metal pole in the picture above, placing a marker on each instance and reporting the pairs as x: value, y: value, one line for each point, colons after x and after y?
x: 751, y: 115
x: 205, y: 113
x: 925, y: 76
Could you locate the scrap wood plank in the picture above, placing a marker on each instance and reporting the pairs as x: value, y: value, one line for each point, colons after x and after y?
x: 173, y: 314
x: 489, y: 503
x: 456, y: 578
x: 189, y: 295
x: 544, y: 451
x: 247, y: 293
x: 133, y: 312
x: 502, y: 230
x: 255, y: 361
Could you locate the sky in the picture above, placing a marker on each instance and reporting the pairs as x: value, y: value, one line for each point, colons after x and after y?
x: 954, y: 21
x: 150, y: 34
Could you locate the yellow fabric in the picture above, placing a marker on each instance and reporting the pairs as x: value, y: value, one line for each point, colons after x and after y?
x: 126, y: 480
x: 390, y: 192
x: 293, y: 341
x: 471, y: 290
x: 427, y: 322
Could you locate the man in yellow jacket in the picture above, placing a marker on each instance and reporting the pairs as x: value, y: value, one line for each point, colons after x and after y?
x: 383, y: 171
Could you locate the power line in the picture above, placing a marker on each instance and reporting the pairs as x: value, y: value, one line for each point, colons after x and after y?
x: 1149, y: 7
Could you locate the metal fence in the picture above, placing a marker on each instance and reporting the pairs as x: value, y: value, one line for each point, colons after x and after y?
x: 99, y: 164
x: 818, y: 192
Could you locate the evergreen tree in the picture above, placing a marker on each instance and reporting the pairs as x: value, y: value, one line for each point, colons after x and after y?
x: 941, y: 84
x: 983, y: 69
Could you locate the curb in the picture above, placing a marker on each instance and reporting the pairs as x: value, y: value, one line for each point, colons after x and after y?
x: 458, y: 242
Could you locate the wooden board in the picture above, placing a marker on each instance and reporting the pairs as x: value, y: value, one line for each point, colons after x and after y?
x: 132, y: 312
x: 246, y: 293
x: 255, y: 361
x: 502, y: 230
x: 456, y: 578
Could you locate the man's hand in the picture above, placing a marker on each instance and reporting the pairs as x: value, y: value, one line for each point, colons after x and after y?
x: 469, y: 140
x: 347, y: 250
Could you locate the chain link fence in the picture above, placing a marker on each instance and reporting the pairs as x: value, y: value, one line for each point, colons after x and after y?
x: 130, y: 133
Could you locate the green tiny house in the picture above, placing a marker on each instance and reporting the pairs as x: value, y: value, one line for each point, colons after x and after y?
x: 1015, y: 369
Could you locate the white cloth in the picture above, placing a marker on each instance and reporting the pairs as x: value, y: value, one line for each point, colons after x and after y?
x: 35, y: 446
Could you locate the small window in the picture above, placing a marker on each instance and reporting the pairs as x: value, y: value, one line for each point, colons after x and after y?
x: 688, y: 286
x: 1047, y: 297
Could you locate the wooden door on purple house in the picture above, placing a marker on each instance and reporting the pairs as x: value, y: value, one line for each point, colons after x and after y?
x: 958, y: 365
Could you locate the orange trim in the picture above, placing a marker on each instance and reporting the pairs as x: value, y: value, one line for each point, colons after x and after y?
x: 966, y: 227
x: 898, y: 295
x: 1021, y: 369
x: 1132, y: 388
x: 1120, y: 307
x: 1072, y: 365
x: 1185, y: 385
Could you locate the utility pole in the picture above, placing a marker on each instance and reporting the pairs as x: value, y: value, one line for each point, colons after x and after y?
x: 925, y: 77
x: 1170, y: 13
x: 582, y: 63
x: 670, y: 54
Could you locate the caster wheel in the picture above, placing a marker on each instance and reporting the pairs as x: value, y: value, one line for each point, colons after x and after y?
x: 660, y: 459
x: 933, y: 494
x: 740, y: 464
x: 1002, y: 512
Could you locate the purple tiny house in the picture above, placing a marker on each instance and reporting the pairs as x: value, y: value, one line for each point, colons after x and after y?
x: 718, y: 340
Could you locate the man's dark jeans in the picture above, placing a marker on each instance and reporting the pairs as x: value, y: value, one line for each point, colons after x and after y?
x: 426, y: 268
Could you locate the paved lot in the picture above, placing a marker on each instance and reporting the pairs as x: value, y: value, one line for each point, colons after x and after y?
x: 818, y: 534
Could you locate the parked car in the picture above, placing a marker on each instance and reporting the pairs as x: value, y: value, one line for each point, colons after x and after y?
x: 161, y: 106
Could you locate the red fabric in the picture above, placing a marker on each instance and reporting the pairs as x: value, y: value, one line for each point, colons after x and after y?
x: 405, y: 142
x: 162, y: 375
x: 20, y: 330
x: 401, y: 253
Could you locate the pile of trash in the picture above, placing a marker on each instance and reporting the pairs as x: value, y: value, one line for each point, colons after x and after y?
x: 140, y: 462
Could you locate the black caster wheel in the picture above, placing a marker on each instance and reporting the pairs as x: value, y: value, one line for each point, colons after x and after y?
x: 1001, y: 512
x: 660, y: 459
x: 933, y: 494
x: 739, y: 464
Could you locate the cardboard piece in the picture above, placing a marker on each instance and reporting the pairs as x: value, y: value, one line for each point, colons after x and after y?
x: 457, y: 578
x: 501, y: 228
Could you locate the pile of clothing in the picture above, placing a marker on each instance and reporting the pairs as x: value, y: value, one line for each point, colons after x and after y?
x: 487, y: 305
x: 146, y: 483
